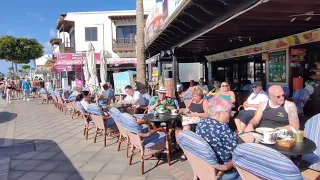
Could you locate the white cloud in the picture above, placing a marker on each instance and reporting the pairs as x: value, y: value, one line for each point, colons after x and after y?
x: 52, y: 33
x: 47, y: 47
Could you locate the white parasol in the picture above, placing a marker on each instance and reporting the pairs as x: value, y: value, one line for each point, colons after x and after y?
x: 91, y: 58
x: 103, y: 68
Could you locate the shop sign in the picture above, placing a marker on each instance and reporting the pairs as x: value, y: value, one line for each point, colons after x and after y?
x: 64, y: 68
x: 293, y: 40
x: 277, y: 68
x: 75, y: 56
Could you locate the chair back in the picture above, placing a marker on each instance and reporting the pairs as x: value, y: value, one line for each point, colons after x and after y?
x: 54, y: 98
x: 146, y: 98
x: 60, y: 100
x: 75, y: 106
x: 300, y: 96
x: 255, y: 161
x: 312, y: 131
x: 132, y: 129
x: 286, y: 90
x: 44, y: 96
x: 115, y: 114
x: 98, y: 121
x: 200, y: 155
x: 247, y: 87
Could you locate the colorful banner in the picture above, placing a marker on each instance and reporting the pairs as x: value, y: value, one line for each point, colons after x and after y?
x: 49, y: 63
x: 75, y: 56
x: 121, y: 80
x: 277, y: 67
x: 114, y: 61
x: 64, y: 68
x: 297, y: 39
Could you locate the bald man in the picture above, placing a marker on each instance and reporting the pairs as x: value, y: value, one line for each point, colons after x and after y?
x: 275, y: 113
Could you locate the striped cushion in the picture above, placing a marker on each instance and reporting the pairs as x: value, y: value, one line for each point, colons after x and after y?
x: 312, y: 130
x: 80, y: 107
x: 95, y: 109
x: 298, y: 95
x: 129, y: 123
x: 187, y: 95
x: 194, y: 143
x: 155, y: 139
x: 109, y: 123
x: 286, y: 90
x: 265, y: 162
x: 115, y: 114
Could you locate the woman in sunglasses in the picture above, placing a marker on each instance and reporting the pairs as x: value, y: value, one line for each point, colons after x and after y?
x: 275, y: 113
x: 226, y: 93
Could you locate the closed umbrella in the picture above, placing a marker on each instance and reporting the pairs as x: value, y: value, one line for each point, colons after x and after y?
x: 86, y: 71
x: 93, y: 80
x: 103, y: 68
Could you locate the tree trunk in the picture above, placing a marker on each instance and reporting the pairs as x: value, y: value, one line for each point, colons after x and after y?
x: 34, y: 63
x: 141, y: 70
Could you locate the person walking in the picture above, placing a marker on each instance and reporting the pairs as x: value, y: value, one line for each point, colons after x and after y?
x: 8, y: 91
x: 26, y: 89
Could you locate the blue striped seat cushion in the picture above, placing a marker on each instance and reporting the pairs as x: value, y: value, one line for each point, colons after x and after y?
x: 155, y: 139
x: 80, y: 107
x: 300, y: 95
x: 312, y: 130
x: 109, y: 123
x: 115, y: 114
x: 95, y: 109
x: 265, y: 162
x: 196, y: 145
x: 129, y: 123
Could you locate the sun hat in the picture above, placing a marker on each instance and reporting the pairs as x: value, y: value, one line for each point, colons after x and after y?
x: 161, y: 90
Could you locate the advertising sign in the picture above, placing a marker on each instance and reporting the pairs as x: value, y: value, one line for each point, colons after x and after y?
x: 64, y: 68
x: 121, y: 80
x: 277, y: 65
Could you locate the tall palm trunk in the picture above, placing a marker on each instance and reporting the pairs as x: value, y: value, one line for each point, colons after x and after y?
x: 141, y: 70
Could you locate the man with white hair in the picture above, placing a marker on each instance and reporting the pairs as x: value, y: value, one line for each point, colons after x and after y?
x: 275, y: 113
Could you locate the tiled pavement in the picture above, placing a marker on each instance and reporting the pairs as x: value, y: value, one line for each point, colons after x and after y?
x: 62, y: 153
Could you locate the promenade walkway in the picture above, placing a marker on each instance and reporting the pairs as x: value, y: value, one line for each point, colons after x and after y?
x: 59, y: 150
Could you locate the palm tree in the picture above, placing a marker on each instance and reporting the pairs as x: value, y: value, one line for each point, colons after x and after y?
x: 141, y: 71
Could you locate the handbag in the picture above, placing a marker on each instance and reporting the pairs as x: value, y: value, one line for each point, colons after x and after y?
x: 186, y: 120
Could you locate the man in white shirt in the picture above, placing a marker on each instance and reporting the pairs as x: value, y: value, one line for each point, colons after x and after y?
x: 257, y: 97
x: 133, y: 98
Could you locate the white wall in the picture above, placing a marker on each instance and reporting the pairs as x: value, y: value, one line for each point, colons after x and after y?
x: 190, y: 71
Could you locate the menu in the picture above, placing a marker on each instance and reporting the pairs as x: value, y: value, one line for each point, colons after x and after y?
x: 277, y: 64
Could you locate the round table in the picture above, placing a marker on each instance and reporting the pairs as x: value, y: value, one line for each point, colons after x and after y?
x: 298, y: 149
x: 161, y: 117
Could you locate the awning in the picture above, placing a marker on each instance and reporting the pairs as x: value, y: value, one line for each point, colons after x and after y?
x: 117, y: 61
x: 42, y: 70
x: 153, y: 59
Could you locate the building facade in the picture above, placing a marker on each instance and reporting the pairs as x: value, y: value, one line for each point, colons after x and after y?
x: 110, y: 31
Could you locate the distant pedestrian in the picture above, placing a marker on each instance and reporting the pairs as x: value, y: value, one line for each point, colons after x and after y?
x: 8, y: 91
x: 26, y: 85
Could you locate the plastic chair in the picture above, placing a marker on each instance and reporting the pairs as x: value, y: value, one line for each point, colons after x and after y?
x: 300, y: 97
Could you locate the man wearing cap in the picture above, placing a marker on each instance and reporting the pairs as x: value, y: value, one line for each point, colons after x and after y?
x: 161, y: 102
x: 257, y: 97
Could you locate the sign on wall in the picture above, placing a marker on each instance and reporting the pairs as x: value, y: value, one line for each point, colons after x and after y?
x: 121, y: 80
x: 277, y: 67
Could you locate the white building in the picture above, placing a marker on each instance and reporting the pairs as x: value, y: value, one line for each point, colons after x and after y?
x: 111, y: 31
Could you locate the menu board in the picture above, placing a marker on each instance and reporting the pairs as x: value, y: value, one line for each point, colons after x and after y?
x: 277, y: 67
x: 121, y: 80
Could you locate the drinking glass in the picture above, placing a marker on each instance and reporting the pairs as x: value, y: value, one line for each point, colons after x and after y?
x: 298, y: 137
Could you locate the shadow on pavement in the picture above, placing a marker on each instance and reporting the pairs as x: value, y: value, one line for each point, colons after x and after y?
x: 7, y: 116
x: 36, y: 159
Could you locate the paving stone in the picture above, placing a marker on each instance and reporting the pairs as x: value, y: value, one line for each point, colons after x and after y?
x: 93, y: 148
x: 33, y: 175
x: 83, y: 156
x: 102, y: 157
x: 13, y: 175
x: 82, y: 176
x: 14, y: 163
x: 28, y: 165
x: 45, y: 155
x: 48, y: 166
x: 69, y: 166
x: 103, y: 176
x: 28, y: 155
x: 57, y: 176
x: 115, y: 168
x: 92, y: 167
x: 133, y: 178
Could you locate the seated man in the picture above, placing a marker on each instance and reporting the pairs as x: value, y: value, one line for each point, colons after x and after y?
x: 75, y: 92
x: 217, y: 133
x: 161, y: 102
x: 257, y: 97
x: 106, y: 95
x: 275, y: 113
x: 134, y: 99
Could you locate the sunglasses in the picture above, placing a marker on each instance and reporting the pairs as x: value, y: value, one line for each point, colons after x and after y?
x: 224, y: 86
x: 278, y: 97
x: 254, y: 86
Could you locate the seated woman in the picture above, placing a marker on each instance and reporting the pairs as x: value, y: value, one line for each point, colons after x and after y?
x: 75, y: 92
x: 106, y: 95
x: 226, y: 93
x: 216, y: 132
x: 215, y: 90
x: 197, y: 108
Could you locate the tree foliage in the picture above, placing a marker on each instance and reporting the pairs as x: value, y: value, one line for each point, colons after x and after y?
x: 25, y: 67
x: 19, y: 50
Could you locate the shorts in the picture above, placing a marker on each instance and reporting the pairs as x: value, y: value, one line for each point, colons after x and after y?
x: 245, y: 116
x: 34, y: 89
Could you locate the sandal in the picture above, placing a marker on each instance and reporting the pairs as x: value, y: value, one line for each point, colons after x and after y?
x: 183, y: 158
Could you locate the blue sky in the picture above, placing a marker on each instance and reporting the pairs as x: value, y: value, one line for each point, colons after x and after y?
x: 37, y: 18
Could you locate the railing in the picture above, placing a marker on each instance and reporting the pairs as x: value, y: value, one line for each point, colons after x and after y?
x: 67, y: 47
x: 124, y: 41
